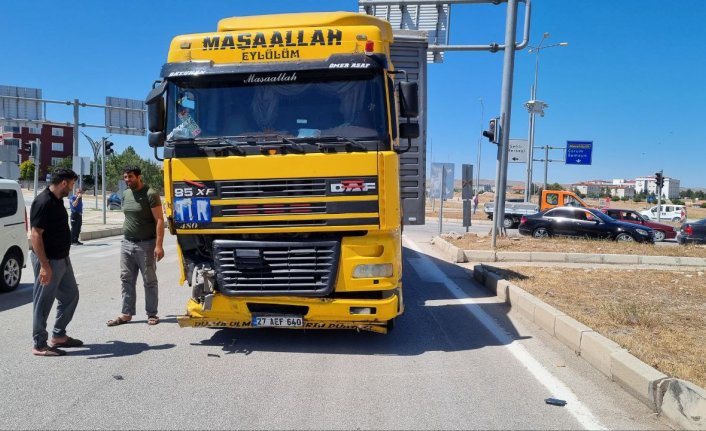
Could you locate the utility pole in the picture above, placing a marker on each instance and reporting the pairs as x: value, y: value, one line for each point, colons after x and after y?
x: 480, y: 140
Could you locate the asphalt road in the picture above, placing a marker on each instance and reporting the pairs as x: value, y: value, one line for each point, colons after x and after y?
x: 456, y: 360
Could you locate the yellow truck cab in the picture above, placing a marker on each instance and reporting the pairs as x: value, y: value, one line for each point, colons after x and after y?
x: 281, y: 169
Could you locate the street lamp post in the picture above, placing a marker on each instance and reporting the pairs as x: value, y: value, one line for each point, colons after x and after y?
x: 535, y: 106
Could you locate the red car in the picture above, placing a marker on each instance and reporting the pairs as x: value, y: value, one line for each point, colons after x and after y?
x: 662, y: 231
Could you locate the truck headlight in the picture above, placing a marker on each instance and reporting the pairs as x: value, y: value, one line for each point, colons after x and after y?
x: 373, y: 270
x: 642, y: 232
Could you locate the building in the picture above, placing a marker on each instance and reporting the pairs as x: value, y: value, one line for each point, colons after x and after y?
x: 589, y: 188
x: 56, y: 143
x: 647, y: 185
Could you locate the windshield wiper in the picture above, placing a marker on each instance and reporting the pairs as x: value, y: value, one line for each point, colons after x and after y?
x: 213, y: 144
x: 326, y: 143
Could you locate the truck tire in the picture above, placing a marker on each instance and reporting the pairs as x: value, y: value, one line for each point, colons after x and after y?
x: 508, y: 222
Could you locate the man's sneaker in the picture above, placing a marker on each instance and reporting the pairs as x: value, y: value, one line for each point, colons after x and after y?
x: 77, y: 243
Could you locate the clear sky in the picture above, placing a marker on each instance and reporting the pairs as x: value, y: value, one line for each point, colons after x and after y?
x: 631, y: 79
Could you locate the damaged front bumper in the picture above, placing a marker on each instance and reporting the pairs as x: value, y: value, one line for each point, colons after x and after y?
x: 220, y: 311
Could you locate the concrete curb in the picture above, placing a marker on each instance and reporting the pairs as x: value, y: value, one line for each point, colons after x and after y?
x: 682, y: 402
x: 541, y: 256
x: 453, y: 253
x: 92, y: 234
x: 101, y: 233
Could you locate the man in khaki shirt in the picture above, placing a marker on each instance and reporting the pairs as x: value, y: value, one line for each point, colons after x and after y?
x: 141, y: 248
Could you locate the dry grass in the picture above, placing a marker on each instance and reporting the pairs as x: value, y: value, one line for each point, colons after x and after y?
x: 659, y: 316
x: 472, y: 241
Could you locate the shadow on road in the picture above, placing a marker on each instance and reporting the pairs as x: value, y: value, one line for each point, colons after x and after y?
x: 17, y: 298
x: 115, y: 349
x: 434, y: 320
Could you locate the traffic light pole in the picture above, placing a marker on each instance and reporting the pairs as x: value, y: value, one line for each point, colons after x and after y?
x: 505, y: 105
x: 37, y: 162
x: 659, y: 178
x: 102, y: 151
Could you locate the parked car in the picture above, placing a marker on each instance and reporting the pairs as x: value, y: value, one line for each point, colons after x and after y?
x: 13, y: 235
x: 692, y: 232
x: 114, y: 202
x: 668, y: 212
x: 582, y: 222
x: 662, y: 231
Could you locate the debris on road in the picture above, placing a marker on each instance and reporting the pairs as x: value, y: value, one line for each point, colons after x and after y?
x: 555, y: 402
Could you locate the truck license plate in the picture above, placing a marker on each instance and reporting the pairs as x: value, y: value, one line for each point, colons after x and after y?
x: 277, y: 321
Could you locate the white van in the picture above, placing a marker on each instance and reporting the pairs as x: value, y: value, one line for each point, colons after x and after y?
x: 13, y: 235
x: 668, y: 213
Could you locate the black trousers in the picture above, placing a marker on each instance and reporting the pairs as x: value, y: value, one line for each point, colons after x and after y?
x: 76, y: 222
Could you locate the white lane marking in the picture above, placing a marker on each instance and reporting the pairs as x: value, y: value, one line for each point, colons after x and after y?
x: 556, y: 387
x: 443, y: 302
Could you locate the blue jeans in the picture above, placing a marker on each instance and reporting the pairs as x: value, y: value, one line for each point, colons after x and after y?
x: 138, y: 256
x: 63, y: 288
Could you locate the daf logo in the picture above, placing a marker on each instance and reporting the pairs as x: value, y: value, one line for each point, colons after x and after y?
x: 352, y: 186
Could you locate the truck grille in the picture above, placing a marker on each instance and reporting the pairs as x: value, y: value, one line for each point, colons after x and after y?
x: 278, y: 188
x: 276, y: 268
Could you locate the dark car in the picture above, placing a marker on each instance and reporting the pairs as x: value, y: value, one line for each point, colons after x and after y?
x: 584, y: 223
x: 662, y: 231
x: 692, y: 232
x: 114, y: 202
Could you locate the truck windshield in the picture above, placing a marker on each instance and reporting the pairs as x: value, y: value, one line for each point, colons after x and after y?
x: 282, y: 104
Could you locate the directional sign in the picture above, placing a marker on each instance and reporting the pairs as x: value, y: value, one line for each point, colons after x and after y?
x: 517, y: 152
x: 579, y: 152
x: 130, y: 120
x: 16, y: 111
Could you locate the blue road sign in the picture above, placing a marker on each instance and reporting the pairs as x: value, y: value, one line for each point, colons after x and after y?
x: 579, y: 152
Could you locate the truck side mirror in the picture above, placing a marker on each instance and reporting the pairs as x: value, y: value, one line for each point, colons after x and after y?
x: 409, y: 130
x: 155, y: 139
x: 409, y: 99
x: 156, y: 119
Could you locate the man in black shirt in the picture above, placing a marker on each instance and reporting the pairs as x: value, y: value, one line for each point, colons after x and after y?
x: 53, y: 274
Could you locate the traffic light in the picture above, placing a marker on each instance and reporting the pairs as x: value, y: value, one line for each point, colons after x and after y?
x: 29, y: 148
x: 659, y: 179
x: 108, y: 147
x: 493, y: 132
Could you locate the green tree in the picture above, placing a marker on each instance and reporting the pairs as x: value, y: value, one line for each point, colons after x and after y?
x: 27, y: 170
x: 554, y: 186
x: 152, y: 173
x: 65, y: 163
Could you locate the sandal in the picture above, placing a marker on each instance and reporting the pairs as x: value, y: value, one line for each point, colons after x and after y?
x: 117, y: 321
x: 47, y: 351
x: 152, y: 320
x: 69, y: 342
